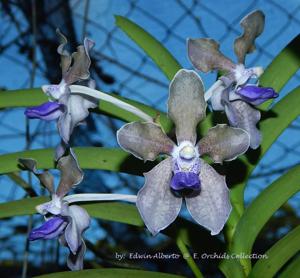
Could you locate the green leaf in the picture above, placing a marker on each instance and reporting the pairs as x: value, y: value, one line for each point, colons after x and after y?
x: 111, y: 211
x: 292, y: 270
x: 277, y: 255
x: 191, y: 234
x: 96, y: 158
x: 22, y: 98
x: 21, y: 207
x: 116, y: 112
x: 93, y: 158
x: 89, y: 158
x: 33, y: 97
x: 257, y: 214
x: 285, y: 111
x: 152, y: 47
x: 282, y: 68
x: 276, y: 75
x: 187, y: 256
x: 110, y: 273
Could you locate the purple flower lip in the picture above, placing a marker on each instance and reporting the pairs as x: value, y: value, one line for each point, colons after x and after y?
x: 256, y: 95
x: 50, y: 229
x: 185, y: 180
x: 47, y: 111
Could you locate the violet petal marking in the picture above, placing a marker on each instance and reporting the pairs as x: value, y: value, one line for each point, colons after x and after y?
x: 50, y: 229
x: 256, y: 95
x: 48, y: 111
x: 185, y: 180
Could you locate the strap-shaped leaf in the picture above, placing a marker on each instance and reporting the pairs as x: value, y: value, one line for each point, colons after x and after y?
x: 89, y: 158
x: 153, y: 48
x: 277, y: 255
x: 109, y: 273
x: 277, y: 74
x: 285, y: 112
x: 34, y: 97
x: 292, y: 270
x: 257, y: 215
x: 282, y: 68
x: 194, y: 235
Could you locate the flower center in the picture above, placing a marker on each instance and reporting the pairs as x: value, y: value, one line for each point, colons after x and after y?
x: 54, y: 92
x: 186, y: 168
x: 187, y: 152
x: 242, y: 74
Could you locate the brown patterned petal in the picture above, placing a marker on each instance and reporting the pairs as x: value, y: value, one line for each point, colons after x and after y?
x: 81, y: 63
x: 224, y: 143
x: 253, y: 25
x: 71, y: 174
x: 46, y: 179
x: 205, y: 55
x: 65, y: 57
x: 186, y: 104
x: 144, y: 140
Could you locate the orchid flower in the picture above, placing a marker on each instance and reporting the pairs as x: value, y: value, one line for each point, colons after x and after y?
x: 63, y: 219
x: 232, y: 92
x: 70, y: 100
x: 183, y: 174
x: 69, y: 109
x: 68, y: 222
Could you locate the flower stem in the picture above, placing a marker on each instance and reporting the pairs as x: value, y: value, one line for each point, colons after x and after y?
x: 100, y: 95
x: 90, y: 197
x: 188, y: 257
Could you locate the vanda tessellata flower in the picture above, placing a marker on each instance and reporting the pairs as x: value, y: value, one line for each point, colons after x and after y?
x: 183, y: 174
x: 233, y: 93
x: 67, y: 222
x: 69, y: 109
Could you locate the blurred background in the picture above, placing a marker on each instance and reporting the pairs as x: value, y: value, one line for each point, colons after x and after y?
x: 28, y: 59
